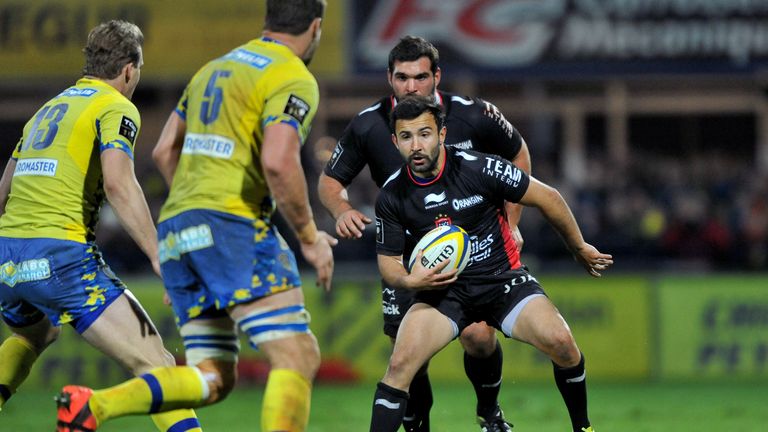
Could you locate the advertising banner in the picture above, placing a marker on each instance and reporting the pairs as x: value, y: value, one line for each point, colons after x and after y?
x: 714, y: 328
x: 608, y: 317
x: 570, y: 37
x: 43, y: 39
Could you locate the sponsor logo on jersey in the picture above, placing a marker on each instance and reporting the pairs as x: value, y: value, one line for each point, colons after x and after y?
x: 463, y: 203
x: 464, y: 145
x: 389, y: 304
x: 379, y: 230
x: 496, y: 115
x: 244, y: 56
x: 81, y: 92
x: 434, y: 200
x: 25, y: 271
x: 336, y: 155
x: 208, y: 145
x: 518, y: 281
x: 187, y: 240
x: 128, y: 129
x: 36, y: 167
x: 504, y: 171
x: 297, y: 108
x: 480, y: 249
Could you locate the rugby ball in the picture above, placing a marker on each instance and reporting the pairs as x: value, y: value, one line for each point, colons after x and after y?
x: 446, y: 242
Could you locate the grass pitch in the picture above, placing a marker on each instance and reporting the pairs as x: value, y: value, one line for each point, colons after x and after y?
x: 531, y: 407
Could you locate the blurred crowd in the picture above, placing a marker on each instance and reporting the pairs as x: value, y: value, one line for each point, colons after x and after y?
x: 706, y: 212
x: 702, y: 212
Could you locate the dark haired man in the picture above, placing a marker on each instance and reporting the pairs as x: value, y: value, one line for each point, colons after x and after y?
x: 230, y: 153
x: 494, y: 287
x: 413, y: 70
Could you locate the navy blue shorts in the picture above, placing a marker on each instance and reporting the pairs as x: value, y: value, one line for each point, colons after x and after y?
x: 212, y: 260
x: 64, y: 280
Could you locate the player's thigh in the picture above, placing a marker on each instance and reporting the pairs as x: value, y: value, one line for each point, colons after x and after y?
x: 125, y: 333
x: 423, y: 332
x: 541, y: 325
x: 39, y: 335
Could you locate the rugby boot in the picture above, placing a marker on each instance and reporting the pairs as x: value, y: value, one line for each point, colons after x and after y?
x: 494, y: 423
x: 73, y: 413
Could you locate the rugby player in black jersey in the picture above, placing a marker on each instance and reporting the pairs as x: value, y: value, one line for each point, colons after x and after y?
x: 472, y: 124
x: 440, y: 185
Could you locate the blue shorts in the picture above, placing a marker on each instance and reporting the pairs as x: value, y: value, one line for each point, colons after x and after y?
x: 212, y: 260
x: 64, y: 280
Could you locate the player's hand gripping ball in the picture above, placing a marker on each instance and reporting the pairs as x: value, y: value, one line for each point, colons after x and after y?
x: 446, y: 242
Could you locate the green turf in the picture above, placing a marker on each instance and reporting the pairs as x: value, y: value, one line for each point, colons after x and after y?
x: 614, y: 408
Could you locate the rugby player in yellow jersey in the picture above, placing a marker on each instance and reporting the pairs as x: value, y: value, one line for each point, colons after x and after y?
x: 230, y: 152
x: 76, y: 151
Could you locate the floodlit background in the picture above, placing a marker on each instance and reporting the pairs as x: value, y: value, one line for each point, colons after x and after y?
x: 650, y: 116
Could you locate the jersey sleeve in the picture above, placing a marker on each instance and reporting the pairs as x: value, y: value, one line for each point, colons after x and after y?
x: 118, y: 127
x: 347, y: 159
x: 503, y: 179
x: 181, y: 107
x: 294, y: 103
x: 390, y: 234
x: 494, y: 129
x: 17, y: 149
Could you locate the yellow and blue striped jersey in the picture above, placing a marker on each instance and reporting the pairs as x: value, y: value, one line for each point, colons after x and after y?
x: 57, y: 187
x: 227, y: 105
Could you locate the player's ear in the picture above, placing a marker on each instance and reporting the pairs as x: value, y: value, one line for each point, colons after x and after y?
x: 316, y: 26
x: 127, y: 72
x: 394, y: 140
x: 437, y: 76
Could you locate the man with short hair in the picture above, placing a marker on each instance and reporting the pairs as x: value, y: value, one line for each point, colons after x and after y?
x: 230, y: 153
x: 413, y: 70
x: 495, y: 287
x: 77, y: 150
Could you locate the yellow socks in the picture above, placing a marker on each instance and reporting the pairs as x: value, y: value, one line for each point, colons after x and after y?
x: 286, y: 402
x: 183, y: 420
x: 167, y: 388
x: 16, y: 359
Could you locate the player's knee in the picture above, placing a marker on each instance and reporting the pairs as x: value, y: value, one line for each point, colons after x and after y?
x: 562, y: 348
x: 400, y: 365
x: 478, y: 341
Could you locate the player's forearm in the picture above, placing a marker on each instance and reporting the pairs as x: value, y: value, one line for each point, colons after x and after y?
x: 166, y: 163
x: 514, y: 212
x: 393, y: 272
x: 128, y: 202
x: 333, y: 195
x: 289, y: 189
x: 559, y: 215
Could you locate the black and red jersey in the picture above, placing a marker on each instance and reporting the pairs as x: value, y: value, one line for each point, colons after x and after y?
x: 469, y: 191
x: 472, y: 124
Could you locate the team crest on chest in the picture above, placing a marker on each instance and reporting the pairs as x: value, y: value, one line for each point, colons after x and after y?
x: 443, y: 220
